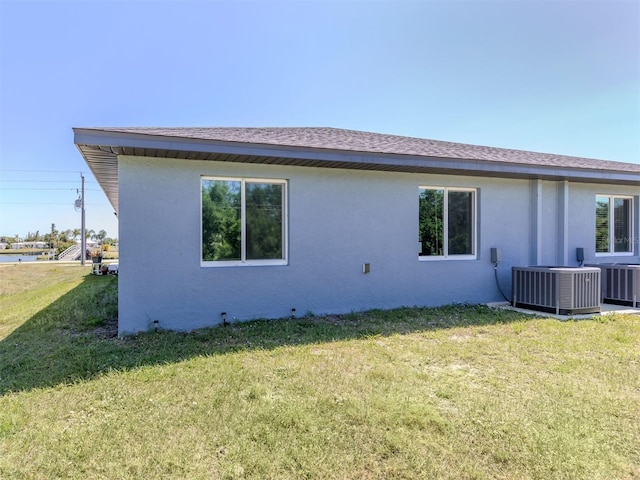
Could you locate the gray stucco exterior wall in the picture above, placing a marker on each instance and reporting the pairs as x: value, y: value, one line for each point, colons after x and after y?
x: 583, y: 217
x: 337, y: 220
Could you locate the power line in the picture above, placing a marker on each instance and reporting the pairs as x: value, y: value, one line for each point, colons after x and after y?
x: 40, y: 181
x: 41, y: 171
x: 63, y: 189
x: 53, y: 203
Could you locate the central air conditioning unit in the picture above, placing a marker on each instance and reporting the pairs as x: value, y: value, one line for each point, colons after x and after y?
x: 620, y: 283
x: 559, y: 290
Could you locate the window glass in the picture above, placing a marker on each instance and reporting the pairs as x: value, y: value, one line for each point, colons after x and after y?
x: 460, y: 223
x: 446, y: 222
x: 264, y: 221
x: 614, y: 229
x: 243, y: 220
x: 431, y: 222
x: 221, y: 220
x: 602, y: 224
x: 622, y: 225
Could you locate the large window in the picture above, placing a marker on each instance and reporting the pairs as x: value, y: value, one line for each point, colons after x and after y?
x: 614, y: 224
x: 447, y: 223
x: 243, y: 221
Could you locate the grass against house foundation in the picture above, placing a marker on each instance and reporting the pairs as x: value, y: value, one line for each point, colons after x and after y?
x: 450, y: 393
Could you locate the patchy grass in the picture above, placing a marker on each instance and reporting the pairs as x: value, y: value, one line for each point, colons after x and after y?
x: 452, y: 393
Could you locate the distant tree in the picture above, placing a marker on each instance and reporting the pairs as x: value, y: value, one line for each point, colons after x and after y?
x: 100, y: 236
x: 52, y: 237
x: 67, y: 235
x: 33, y: 237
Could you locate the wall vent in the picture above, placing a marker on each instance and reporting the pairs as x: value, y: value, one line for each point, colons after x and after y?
x: 620, y: 283
x: 559, y: 290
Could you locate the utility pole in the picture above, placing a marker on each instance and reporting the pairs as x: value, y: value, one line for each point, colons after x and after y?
x: 83, y: 243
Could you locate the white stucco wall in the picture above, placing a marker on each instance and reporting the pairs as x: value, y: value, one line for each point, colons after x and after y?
x: 338, y: 220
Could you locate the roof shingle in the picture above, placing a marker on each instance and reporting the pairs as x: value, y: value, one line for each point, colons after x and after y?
x: 358, y: 141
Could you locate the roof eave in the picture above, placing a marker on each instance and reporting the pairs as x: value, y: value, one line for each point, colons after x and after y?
x: 101, y: 149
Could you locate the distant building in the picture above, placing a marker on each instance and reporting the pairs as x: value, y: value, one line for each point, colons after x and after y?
x: 29, y: 245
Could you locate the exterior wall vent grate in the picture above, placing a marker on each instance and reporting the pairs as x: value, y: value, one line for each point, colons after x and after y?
x: 559, y: 290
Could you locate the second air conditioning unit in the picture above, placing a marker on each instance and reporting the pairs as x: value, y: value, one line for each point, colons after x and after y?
x: 620, y: 283
x: 559, y: 290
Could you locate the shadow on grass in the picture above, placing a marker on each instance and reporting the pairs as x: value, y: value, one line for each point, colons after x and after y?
x: 74, y: 338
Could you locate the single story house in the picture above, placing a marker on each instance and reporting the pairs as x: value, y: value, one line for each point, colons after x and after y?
x: 29, y: 245
x: 227, y: 224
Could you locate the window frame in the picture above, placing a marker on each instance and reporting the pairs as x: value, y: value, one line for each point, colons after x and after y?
x: 474, y: 229
x: 244, y: 262
x: 612, y: 252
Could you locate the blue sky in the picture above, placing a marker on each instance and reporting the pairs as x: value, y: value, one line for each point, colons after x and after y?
x: 557, y: 76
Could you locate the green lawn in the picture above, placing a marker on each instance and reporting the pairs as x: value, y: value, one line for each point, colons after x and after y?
x: 450, y: 393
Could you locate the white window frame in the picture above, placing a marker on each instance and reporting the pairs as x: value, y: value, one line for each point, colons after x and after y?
x: 243, y: 262
x: 474, y: 240
x: 612, y: 252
